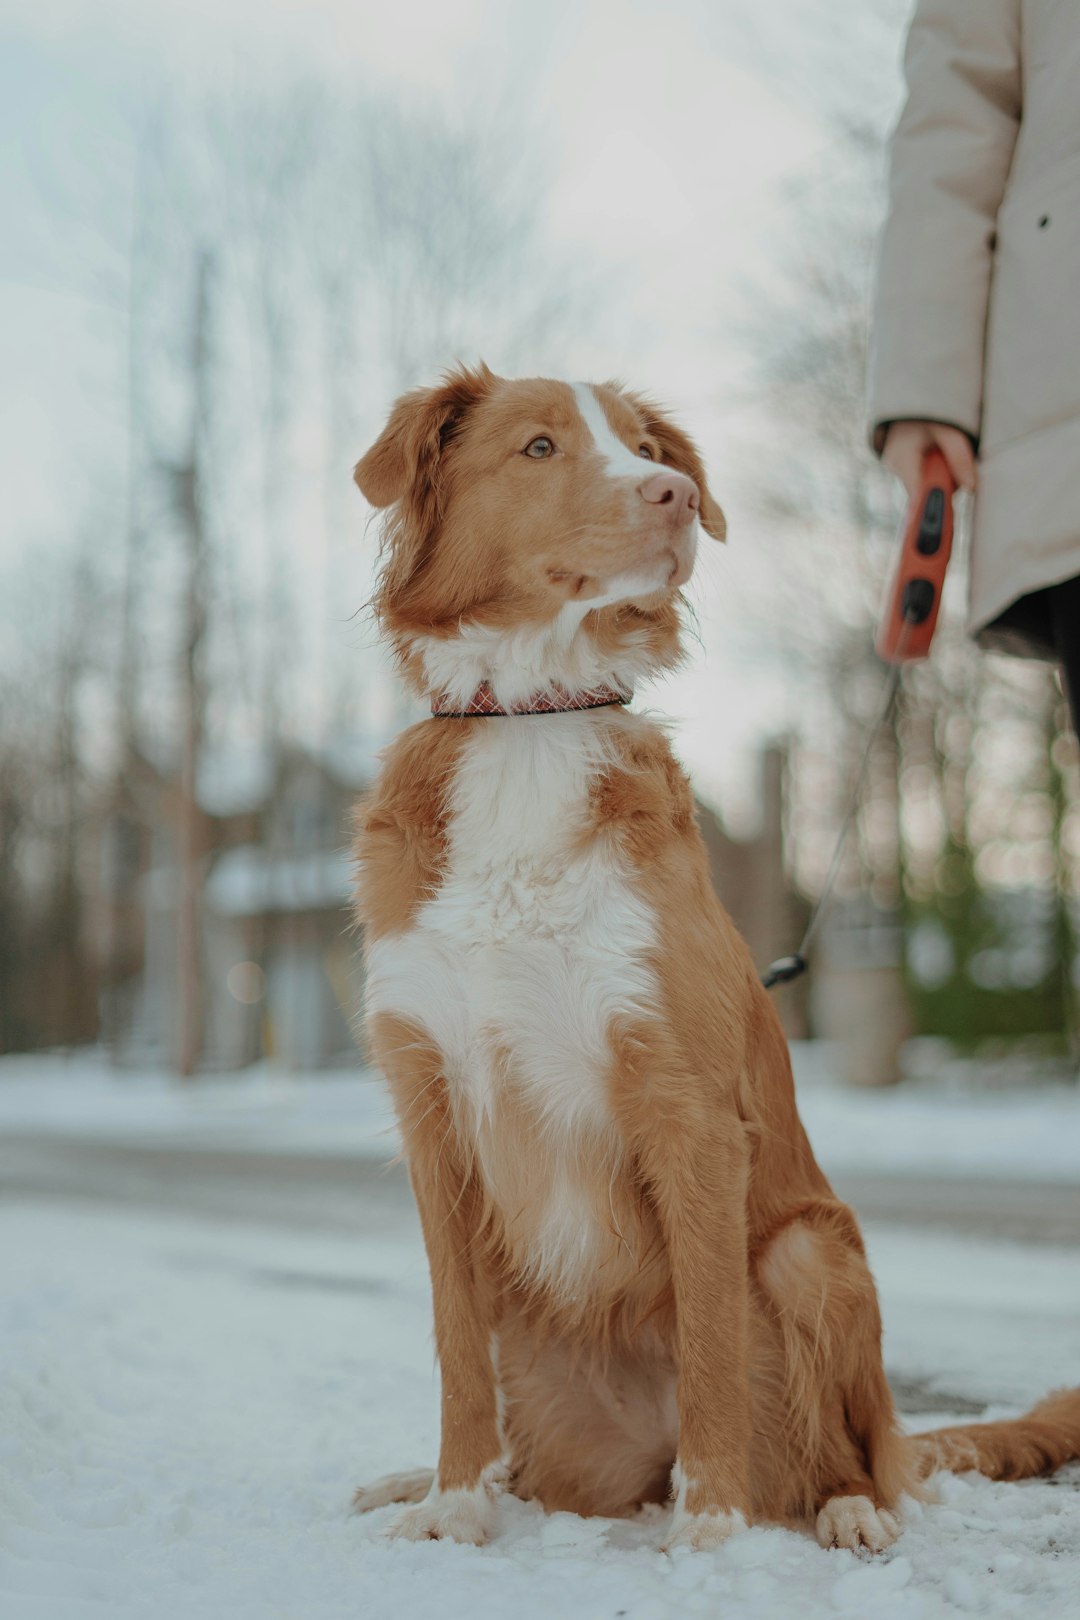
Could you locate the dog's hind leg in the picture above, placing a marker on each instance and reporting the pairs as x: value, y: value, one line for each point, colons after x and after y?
x: 853, y: 1463
x: 410, y: 1487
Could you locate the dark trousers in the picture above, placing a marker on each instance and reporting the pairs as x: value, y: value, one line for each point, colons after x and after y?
x: 1050, y: 621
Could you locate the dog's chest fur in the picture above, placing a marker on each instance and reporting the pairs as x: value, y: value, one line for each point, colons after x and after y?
x: 534, y: 942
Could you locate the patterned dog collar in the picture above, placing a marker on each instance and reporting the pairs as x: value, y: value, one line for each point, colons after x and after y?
x: 554, y: 699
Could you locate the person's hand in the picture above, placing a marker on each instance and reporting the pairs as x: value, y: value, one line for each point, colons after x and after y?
x: 907, y: 442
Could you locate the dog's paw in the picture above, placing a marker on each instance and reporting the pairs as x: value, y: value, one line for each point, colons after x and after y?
x: 464, y: 1514
x: 699, y: 1527
x: 410, y: 1487
x: 467, y: 1516
x: 700, y: 1531
x: 855, y: 1523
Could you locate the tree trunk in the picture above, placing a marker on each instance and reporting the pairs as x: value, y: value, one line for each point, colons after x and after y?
x: 190, y: 839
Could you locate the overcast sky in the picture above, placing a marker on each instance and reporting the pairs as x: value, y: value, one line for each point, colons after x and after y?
x: 668, y: 132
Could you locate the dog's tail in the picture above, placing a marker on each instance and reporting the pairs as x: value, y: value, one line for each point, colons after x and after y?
x: 1046, y: 1437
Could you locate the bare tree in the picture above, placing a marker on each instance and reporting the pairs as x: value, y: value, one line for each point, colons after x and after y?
x: 189, y: 478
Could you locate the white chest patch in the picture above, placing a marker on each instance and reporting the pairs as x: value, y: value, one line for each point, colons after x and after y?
x: 535, y: 942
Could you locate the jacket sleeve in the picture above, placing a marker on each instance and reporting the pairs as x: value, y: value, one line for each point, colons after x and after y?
x: 950, y: 159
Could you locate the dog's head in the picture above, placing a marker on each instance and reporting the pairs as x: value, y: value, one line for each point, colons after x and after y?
x: 563, y: 510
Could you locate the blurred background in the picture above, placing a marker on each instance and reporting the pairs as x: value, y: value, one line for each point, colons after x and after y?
x: 231, y: 235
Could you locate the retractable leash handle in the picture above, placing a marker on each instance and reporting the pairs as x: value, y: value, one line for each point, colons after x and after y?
x: 914, y: 598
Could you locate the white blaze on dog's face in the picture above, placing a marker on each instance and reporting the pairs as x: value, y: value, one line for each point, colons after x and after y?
x: 534, y: 504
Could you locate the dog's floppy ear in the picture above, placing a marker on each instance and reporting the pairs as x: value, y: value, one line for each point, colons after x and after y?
x: 404, y: 460
x: 405, y: 469
x: 679, y: 451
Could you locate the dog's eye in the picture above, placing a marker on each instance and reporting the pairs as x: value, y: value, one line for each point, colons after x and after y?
x: 540, y: 449
x: 645, y: 451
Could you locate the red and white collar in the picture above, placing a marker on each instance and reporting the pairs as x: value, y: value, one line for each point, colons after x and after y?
x: 554, y: 699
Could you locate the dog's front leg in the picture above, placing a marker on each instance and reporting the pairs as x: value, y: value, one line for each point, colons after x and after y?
x: 699, y: 1179
x: 461, y: 1501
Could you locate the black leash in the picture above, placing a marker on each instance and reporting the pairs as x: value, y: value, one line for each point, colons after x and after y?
x: 787, y: 968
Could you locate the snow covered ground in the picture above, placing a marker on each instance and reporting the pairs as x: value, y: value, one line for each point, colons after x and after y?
x: 1027, y: 1132
x: 186, y: 1402
x: 186, y: 1406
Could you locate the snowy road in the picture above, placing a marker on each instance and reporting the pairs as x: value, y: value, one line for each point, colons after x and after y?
x: 187, y: 1402
x: 351, y: 1193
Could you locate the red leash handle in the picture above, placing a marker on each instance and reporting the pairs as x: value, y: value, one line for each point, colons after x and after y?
x: 914, y: 599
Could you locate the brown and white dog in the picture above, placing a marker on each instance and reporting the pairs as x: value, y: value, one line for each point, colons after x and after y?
x: 643, y: 1283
